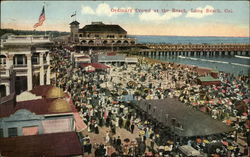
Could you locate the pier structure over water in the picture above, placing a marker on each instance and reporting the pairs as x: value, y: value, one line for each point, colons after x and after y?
x: 194, y: 50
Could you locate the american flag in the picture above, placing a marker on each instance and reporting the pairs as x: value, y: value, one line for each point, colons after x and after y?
x: 41, y: 19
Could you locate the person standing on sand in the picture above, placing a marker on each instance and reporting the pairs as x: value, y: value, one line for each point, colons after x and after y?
x: 132, y: 127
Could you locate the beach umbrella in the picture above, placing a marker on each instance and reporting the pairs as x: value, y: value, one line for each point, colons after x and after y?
x: 230, y: 148
x: 203, y: 109
x: 124, y: 92
x: 241, y: 106
x: 205, y: 141
x: 247, y: 124
x: 170, y: 142
x: 244, y: 114
x: 198, y: 140
x: 161, y: 148
x: 89, y: 106
x: 246, y: 101
x: 225, y: 143
x: 141, y: 132
x: 228, y: 122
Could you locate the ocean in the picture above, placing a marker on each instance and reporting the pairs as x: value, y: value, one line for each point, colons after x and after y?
x: 188, y: 40
x: 229, y: 64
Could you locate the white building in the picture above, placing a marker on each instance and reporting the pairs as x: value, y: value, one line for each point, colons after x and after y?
x: 30, y: 60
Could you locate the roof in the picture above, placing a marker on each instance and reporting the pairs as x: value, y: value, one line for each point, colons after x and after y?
x: 102, y: 28
x: 195, y: 123
x: 5, y: 35
x: 41, y: 90
x: 59, y: 105
x: 189, y: 151
x: 24, y: 96
x: 74, y: 23
x: 48, y: 91
x: 56, y: 144
x: 207, y: 79
x: 39, y: 107
x: 87, y: 57
x: 109, y: 58
x: 95, y: 65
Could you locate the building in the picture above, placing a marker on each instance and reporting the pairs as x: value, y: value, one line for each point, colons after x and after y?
x: 29, y: 58
x: 90, y: 67
x: 42, y: 121
x: 115, y: 58
x: 56, y: 145
x: 208, y: 80
x: 48, y: 110
x: 79, y: 58
x: 99, y: 36
x: 181, y: 119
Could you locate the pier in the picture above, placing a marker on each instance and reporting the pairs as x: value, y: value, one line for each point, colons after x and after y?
x: 194, y: 50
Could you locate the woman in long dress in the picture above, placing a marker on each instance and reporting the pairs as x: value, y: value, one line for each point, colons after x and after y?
x: 107, y: 138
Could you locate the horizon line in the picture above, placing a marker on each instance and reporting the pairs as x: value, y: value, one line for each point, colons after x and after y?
x: 139, y: 34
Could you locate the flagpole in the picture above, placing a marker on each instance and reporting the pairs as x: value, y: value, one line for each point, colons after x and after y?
x: 44, y: 20
x: 75, y: 15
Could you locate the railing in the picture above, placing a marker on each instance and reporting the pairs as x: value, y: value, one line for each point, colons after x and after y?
x: 104, y: 38
x: 20, y: 65
x: 27, y: 39
x: 3, y: 72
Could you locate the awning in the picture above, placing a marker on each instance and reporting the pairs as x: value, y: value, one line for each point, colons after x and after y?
x: 80, y: 125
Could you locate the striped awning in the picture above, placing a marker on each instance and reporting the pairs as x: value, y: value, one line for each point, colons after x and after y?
x: 79, y: 124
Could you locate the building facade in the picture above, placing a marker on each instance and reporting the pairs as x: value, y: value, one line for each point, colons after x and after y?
x: 29, y: 58
x: 98, y: 33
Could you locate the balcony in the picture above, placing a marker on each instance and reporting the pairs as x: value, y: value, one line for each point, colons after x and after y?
x: 26, y: 39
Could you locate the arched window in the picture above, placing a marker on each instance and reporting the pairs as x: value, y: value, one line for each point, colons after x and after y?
x: 91, y: 42
x: 125, y: 42
x: 83, y: 41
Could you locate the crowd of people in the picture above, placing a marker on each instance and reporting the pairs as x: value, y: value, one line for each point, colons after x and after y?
x: 103, y: 99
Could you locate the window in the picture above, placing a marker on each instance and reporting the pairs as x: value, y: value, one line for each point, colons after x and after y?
x: 12, y: 132
x: 1, y: 132
x: 32, y: 130
x: 2, y: 59
x: 35, y: 59
x: 20, y: 60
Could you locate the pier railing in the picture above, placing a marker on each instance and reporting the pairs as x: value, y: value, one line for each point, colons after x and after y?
x: 195, y: 49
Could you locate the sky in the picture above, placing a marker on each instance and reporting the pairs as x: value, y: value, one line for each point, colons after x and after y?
x: 173, y: 18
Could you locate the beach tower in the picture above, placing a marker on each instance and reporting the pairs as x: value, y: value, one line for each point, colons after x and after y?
x: 74, y: 28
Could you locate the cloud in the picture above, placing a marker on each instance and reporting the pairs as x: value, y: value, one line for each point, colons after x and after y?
x: 104, y: 9
x: 200, y: 12
x: 156, y: 17
x: 87, y: 10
